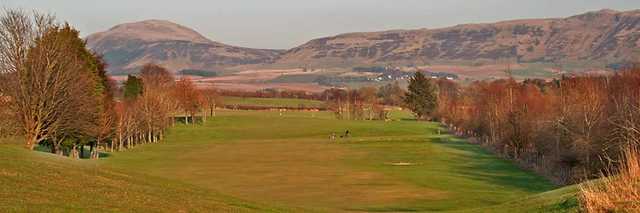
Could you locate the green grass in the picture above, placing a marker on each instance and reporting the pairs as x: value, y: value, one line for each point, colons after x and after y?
x: 42, y: 182
x: 272, y: 102
x: 247, y: 159
x: 289, y: 161
x: 301, y: 78
x: 559, y: 200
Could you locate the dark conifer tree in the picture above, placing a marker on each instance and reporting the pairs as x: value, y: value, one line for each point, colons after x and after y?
x: 422, y: 97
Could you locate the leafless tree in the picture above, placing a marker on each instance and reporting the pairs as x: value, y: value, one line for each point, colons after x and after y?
x: 45, y: 76
x: 189, y: 98
x: 156, y: 104
x: 211, y: 99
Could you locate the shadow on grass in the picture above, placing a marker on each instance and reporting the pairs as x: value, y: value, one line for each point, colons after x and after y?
x: 408, y: 119
x: 86, y: 154
x: 486, y: 167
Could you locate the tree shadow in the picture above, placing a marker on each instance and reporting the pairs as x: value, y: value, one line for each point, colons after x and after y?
x: 183, y: 120
x: 408, y: 119
x: 85, y: 154
x: 487, y: 167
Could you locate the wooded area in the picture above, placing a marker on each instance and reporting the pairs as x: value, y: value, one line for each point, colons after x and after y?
x: 567, y: 129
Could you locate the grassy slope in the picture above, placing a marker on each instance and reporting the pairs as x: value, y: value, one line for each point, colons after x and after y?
x: 272, y: 102
x: 559, y: 200
x: 41, y: 182
x: 288, y: 160
x: 283, y: 160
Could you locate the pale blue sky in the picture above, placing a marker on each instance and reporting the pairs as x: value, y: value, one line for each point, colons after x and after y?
x: 287, y: 23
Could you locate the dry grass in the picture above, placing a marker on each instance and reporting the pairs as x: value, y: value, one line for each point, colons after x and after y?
x: 615, y: 193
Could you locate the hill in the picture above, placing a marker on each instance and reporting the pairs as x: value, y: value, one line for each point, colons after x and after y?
x: 35, y: 181
x: 127, y: 47
x: 604, y: 35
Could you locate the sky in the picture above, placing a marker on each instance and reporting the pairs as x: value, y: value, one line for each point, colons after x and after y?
x: 283, y: 24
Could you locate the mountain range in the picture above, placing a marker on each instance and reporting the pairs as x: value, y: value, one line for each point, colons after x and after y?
x: 606, y: 36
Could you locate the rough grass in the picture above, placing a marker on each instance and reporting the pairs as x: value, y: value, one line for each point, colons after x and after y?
x: 243, y: 160
x: 272, y: 102
x: 619, y: 191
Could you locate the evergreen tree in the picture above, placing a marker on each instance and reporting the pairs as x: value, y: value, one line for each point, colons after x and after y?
x: 132, y: 87
x: 422, y: 97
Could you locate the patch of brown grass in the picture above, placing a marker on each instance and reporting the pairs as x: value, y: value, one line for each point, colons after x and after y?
x: 619, y: 191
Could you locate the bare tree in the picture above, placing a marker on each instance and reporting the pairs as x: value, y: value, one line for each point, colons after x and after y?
x: 156, y: 103
x: 46, y: 78
x: 212, y: 100
x: 189, y: 98
x: 370, y: 99
x: 18, y: 32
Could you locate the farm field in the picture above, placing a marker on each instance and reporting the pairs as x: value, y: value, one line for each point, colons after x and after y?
x: 259, y: 161
x: 272, y: 102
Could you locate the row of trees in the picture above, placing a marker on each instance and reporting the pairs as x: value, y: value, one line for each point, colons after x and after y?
x: 364, y: 103
x: 271, y: 93
x: 150, y: 104
x: 56, y: 93
x: 563, y: 128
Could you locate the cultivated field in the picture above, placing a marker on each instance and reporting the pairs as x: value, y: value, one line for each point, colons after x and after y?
x: 273, y: 102
x: 261, y: 161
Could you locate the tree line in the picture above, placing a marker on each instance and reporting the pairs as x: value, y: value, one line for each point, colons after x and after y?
x: 271, y: 93
x: 567, y: 129
x: 366, y: 103
x: 56, y: 94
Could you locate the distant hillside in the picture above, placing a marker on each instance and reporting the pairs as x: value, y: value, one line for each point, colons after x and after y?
x: 604, y: 35
x: 127, y: 47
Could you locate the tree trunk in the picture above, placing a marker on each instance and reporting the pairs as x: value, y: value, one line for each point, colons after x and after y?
x: 97, y: 152
x: 31, y: 141
x: 91, y: 151
x: 74, y: 152
x: 120, y: 142
x: 53, y: 149
x: 95, y: 155
x: 57, y: 149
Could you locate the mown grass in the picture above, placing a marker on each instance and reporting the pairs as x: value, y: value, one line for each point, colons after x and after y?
x: 260, y: 161
x: 42, y: 182
x: 272, y: 102
x: 289, y: 161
